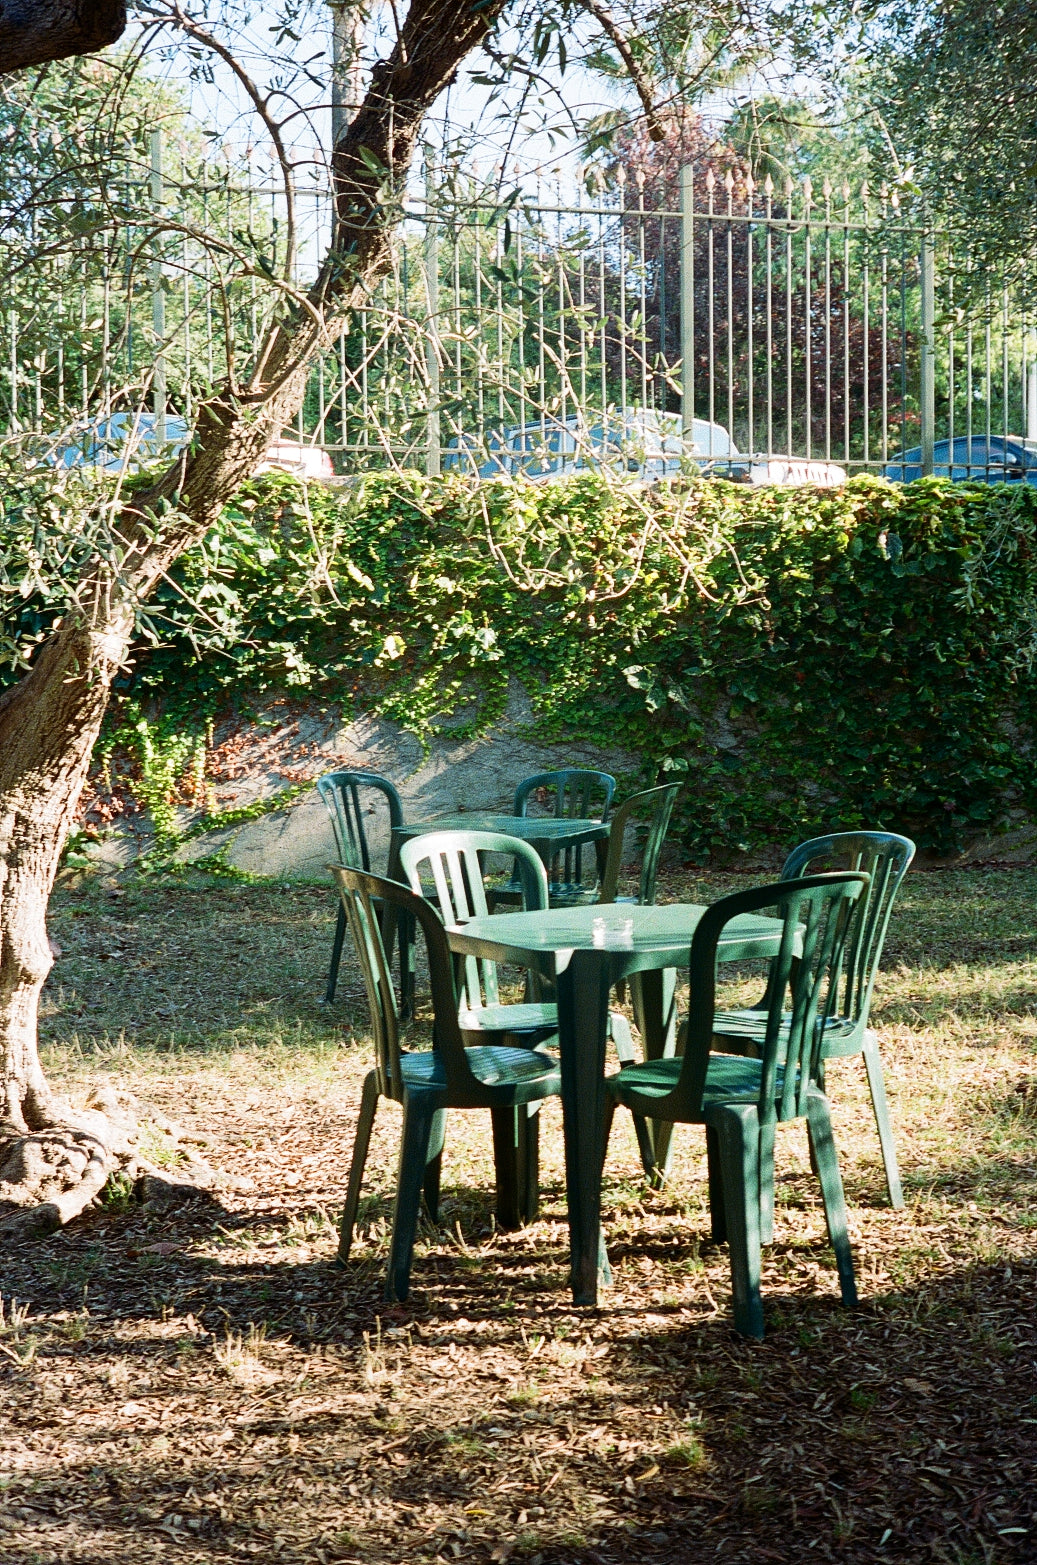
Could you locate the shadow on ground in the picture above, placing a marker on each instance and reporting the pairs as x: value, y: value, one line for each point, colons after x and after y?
x: 174, y: 1390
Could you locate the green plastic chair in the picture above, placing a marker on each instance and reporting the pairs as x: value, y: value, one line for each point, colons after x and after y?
x: 576, y: 795
x: 885, y: 857
x: 341, y: 793
x: 659, y: 802
x: 511, y: 1083
x: 740, y: 1100
x: 572, y: 792
x: 453, y: 860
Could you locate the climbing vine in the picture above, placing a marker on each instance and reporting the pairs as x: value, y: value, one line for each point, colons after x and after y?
x: 807, y: 658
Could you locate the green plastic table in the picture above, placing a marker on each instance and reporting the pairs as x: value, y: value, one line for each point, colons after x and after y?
x: 549, y: 834
x: 560, y: 944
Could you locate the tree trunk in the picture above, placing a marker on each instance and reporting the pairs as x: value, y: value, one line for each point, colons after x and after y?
x: 32, y: 32
x: 50, y: 1159
x: 53, y: 1161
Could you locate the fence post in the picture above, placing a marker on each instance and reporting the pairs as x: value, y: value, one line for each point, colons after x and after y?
x: 687, y: 299
x: 431, y: 268
x: 158, y: 298
x: 927, y: 389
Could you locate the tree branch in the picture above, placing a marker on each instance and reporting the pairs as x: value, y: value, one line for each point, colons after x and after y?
x: 643, y: 86
x: 370, y: 169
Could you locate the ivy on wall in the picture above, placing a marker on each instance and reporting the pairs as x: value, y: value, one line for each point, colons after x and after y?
x: 810, y: 659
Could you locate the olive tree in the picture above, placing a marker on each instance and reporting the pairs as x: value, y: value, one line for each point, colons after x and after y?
x: 53, y: 1160
x: 111, y: 550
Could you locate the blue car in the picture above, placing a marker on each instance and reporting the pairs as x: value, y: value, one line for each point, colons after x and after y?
x: 972, y: 459
x: 124, y: 438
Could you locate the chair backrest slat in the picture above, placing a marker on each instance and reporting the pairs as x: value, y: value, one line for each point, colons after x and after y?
x: 885, y: 858
x: 364, y: 927
x: 815, y: 913
x: 360, y: 892
x: 340, y: 792
x: 660, y: 802
x: 455, y: 860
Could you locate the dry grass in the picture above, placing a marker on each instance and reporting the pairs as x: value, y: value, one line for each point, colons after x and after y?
x: 202, y: 1385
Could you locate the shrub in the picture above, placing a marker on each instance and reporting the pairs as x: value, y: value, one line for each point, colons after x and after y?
x: 810, y: 659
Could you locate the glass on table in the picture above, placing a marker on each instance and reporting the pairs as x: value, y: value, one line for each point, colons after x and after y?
x: 613, y: 928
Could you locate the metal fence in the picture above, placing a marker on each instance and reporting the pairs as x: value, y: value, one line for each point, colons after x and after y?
x: 821, y: 322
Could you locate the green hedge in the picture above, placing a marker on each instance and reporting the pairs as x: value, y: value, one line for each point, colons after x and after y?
x: 810, y: 659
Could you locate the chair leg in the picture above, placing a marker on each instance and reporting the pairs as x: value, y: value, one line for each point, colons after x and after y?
x: 606, y: 1125
x: 738, y: 1132
x: 767, y: 1184
x: 516, y: 1159
x: 434, y: 1166
x: 361, y: 1142
x: 622, y: 1038
x: 336, y: 955
x: 831, y: 1192
x: 529, y: 1162
x: 644, y: 1130
x: 819, y: 1082
x: 877, y: 1087
x: 717, y: 1218
x: 626, y: 1054
x: 675, y: 1040
x: 419, y: 1114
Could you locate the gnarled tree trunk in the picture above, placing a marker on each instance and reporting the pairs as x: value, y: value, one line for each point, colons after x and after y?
x: 32, y: 32
x: 53, y: 1161
x: 48, y: 725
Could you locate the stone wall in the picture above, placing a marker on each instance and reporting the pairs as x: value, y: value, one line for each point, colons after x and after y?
x: 296, y: 843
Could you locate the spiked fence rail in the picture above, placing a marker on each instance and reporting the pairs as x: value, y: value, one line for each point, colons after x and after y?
x: 809, y: 320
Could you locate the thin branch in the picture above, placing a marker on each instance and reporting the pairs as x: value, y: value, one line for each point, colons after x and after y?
x: 259, y: 103
x: 643, y: 86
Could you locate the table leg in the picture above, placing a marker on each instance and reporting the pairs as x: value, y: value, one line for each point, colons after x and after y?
x: 583, y: 1008
x: 601, y: 854
x: 653, y: 998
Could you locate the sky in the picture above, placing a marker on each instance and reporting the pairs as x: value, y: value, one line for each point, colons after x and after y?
x: 519, y: 136
x: 542, y: 137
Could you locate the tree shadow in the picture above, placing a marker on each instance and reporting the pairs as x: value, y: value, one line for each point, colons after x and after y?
x: 488, y: 1418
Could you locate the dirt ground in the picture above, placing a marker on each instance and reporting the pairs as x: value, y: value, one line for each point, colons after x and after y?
x: 199, y: 1384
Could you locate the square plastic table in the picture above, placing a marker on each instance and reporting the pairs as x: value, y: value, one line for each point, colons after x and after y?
x: 549, y: 834
x: 562, y: 944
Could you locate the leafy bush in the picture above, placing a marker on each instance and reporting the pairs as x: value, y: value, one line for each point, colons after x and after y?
x: 811, y: 659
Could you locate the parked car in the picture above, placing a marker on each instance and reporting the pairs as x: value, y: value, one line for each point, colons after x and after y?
x: 104, y: 444
x: 296, y: 457
x: 644, y: 442
x: 973, y: 459
x: 133, y: 439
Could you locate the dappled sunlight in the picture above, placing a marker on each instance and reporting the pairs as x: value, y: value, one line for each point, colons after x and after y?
x: 202, y: 1382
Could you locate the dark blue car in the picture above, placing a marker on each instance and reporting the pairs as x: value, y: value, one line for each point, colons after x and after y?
x: 972, y: 459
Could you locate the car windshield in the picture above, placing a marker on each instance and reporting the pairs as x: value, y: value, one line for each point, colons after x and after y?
x: 113, y: 434
x: 711, y: 440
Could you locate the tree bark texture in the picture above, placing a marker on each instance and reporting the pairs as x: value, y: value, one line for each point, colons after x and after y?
x: 50, y: 721
x: 33, y: 32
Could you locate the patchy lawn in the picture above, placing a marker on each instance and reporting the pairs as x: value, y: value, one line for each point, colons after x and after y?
x: 201, y: 1385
